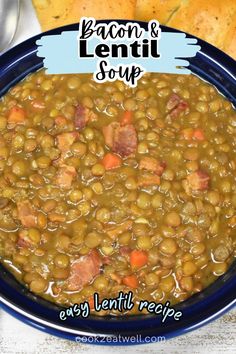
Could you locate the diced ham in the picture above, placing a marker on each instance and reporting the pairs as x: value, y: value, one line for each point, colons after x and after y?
x: 84, y: 270
x: 152, y: 164
x: 121, y: 139
x: 198, y: 180
x: 65, y: 140
x: 65, y: 176
x: 82, y: 116
x: 26, y: 213
x: 125, y: 140
x: 176, y: 105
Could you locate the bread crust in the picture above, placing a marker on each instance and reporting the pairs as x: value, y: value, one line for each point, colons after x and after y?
x: 211, y: 20
x: 56, y: 13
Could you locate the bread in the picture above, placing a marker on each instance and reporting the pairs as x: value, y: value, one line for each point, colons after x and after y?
x: 230, y: 39
x: 55, y: 13
x: 211, y: 20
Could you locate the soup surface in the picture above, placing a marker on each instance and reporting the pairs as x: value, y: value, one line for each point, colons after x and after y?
x: 104, y: 188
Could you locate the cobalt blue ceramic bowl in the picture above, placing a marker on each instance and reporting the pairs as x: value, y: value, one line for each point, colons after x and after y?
x: 211, y: 65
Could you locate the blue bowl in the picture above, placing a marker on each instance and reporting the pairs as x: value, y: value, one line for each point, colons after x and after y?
x: 211, y: 65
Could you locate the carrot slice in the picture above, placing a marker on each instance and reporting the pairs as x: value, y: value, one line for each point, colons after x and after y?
x: 126, y: 118
x: 138, y: 258
x: 131, y: 281
x: 91, y: 303
x: 111, y: 161
x: 198, y: 134
x: 16, y: 115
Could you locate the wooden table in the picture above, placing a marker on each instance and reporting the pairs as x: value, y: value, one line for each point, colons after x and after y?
x: 218, y: 337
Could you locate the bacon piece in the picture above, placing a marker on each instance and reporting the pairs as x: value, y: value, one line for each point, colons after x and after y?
x: 24, y: 241
x: 26, y: 213
x: 125, y: 140
x: 84, y: 270
x: 65, y: 140
x: 173, y: 102
x: 121, y: 139
x: 83, y: 115
x: 182, y: 106
x: 152, y: 164
x: 108, y: 132
x: 176, y: 105
x: 198, y: 180
x: 65, y: 176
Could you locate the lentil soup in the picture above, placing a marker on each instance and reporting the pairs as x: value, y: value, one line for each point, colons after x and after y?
x: 106, y: 188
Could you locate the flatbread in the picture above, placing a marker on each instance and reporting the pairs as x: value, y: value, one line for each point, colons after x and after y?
x: 211, y: 20
x: 56, y: 13
x: 206, y: 19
